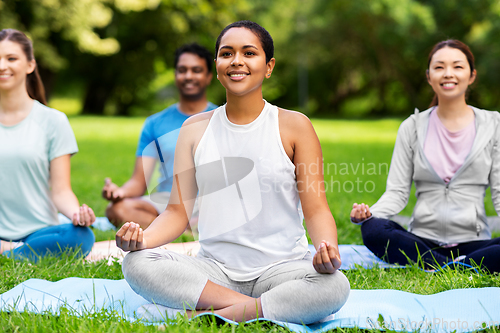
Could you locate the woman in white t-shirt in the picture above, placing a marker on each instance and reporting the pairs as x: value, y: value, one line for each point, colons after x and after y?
x: 249, y: 162
x: 36, y: 145
x: 452, y: 153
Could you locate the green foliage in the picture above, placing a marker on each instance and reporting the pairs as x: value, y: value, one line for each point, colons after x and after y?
x: 51, y: 22
x: 125, y: 83
x: 334, y: 58
x: 369, y: 57
x: 358, y: 58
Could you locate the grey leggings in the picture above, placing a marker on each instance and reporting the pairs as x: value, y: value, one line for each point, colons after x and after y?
x: 291, y: 291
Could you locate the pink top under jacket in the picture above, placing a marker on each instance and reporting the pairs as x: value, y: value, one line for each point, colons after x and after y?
x: 445, y: 150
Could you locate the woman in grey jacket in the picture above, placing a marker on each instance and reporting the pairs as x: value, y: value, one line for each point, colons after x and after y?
x: 451, y: 151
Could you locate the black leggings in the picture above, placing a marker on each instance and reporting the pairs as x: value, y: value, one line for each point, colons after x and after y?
x: 392, y: 243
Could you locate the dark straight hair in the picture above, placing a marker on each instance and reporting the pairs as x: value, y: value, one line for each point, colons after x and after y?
x: 34, y: 84
x: 455, y: 44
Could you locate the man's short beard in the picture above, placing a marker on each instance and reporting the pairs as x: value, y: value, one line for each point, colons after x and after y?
x: 194, y: 97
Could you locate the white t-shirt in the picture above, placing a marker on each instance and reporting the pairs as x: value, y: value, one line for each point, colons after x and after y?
x: 26, y: 150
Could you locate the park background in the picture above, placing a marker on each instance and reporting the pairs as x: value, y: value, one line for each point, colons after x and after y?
x: 355, y: 67
x: 335, y: 58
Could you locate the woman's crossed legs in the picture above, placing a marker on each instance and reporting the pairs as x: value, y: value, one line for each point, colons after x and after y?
x: 291, y: 291
x: 392, y: 243
x: 54, y: 240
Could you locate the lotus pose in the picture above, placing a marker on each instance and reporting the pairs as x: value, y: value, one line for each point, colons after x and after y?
x: 193, y: 74
x: 36, y: 145
x: 249, y: 162
x: 452, y: 153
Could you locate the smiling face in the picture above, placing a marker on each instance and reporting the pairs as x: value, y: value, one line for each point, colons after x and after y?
x: 450, y: 73
x: 241, y: 62
x: 14, y: 66
x: 192, y: 76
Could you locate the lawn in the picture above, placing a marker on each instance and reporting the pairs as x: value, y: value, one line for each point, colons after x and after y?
x: 356, y: 160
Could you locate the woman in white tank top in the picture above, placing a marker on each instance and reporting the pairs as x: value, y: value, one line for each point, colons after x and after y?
x: 249, y: 162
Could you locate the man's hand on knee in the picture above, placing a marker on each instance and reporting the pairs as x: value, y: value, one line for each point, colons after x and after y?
x: 111, y: 191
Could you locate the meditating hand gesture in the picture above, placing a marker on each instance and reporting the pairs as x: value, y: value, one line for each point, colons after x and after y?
x: 84, y: 217
x: 130, y: 237
x: 327, y: 258
x: 360, y: 212
x: 111, y: 191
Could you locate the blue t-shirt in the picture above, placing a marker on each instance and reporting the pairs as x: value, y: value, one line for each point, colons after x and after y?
x: 158, y: 140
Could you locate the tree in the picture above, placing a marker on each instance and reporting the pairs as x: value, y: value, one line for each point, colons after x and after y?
x: 113, y: 48
x: 369, y: 57
x: 148, y: 38
x: 53, y: 24
x: 334, y: 58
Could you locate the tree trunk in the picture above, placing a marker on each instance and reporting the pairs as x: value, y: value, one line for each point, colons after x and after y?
x: 95, y: 98
x: 48, y: 78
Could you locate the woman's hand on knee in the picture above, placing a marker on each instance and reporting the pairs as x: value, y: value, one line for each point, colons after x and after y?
x: 130, y: 237
x: 360, y: 212
x: 85, y: 216
x: 327, y: 259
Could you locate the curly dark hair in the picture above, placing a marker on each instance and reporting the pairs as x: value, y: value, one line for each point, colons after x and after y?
x: 197, y: 49
x: 265, y: 38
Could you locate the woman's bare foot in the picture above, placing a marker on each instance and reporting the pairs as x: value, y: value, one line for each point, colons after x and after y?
x: 6, y: 246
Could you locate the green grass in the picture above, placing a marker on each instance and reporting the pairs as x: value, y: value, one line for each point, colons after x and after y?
x: 356, y: 154
x: 107, y: 149
x: 111, y: 322
x: 71, y: 106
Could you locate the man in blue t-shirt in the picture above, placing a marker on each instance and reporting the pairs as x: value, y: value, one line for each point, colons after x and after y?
x: 193, y: 73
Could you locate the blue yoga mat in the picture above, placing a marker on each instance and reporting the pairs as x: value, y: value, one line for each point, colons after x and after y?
x: 101, y: 223
x: 358, y: 255
x: 352, y: 255
x: 460, y: 310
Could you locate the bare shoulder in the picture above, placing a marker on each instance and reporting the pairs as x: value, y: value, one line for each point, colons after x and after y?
x: 296, y: 131
x: 193, y: 129
x: 196, y: 124
x: 294, y: 121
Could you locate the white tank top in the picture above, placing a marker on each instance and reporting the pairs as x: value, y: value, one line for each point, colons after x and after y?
x: 248, y: 197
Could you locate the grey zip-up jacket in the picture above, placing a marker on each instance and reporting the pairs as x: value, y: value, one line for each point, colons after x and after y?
x: 446, y: 213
